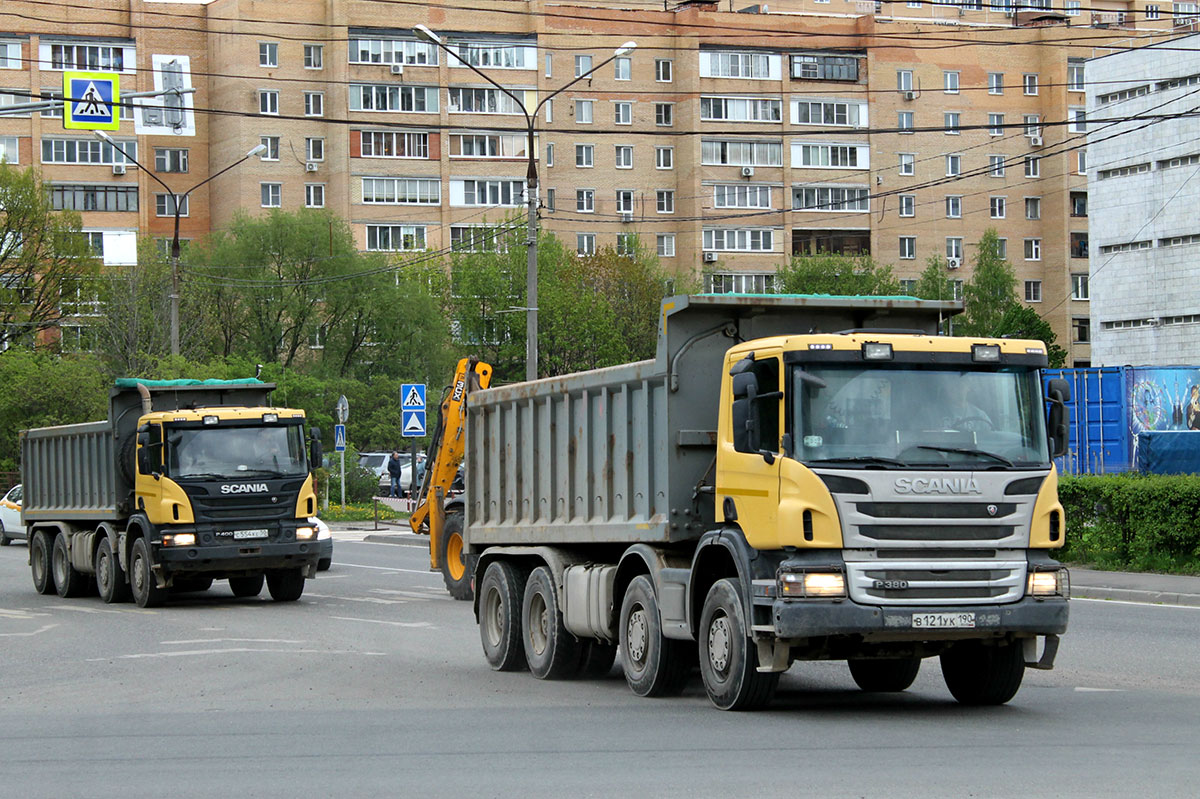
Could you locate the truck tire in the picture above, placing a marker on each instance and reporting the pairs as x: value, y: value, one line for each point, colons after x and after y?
x: 884, y: 675
x: 4, y: 539
x: 142, y: 582
x: 68, y: 581
x: 246, y: 586
x: 551, y: 652
x: 39, y: 562
x: 285, y: 585
x: 458, y: 568
x: 728, y: 662
x: 500, y: 594
x: 110, y: 577
x: 983, y: 675
x: 597, y: 659
x: 653, y: 665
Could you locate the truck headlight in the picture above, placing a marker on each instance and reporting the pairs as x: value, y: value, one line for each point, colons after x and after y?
x: 1049, y: 583
x: 812, y: 585
x: 305, y: 533
x: 180, y: 540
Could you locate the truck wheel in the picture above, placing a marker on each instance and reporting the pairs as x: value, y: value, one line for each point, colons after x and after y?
x: 39, y: 562
x: 458, y: 568
x: 110, y: 577
x: 285, y: 585
x: 551, y: 652
x: 653, y: 665
x: 146, y: 592
x: 728, y: 663
x: 597, y: 659
x: 68, y: 581
x: 884, y: 675
x: 246, y: 586
x: 500, y: 616
x: 983, y: 675
x: 4, y: 539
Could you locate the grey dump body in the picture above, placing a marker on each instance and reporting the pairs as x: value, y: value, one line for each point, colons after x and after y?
x: 620, y: 455
x: 85, y: 471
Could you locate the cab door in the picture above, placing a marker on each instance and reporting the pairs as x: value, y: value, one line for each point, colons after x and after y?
x: 148, y: 464
x: 750, y: 452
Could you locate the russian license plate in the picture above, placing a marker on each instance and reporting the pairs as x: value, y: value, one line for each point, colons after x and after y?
x: 943, y: 621
x: 239, y: 535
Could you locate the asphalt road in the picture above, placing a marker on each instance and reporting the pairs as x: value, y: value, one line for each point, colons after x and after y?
x: 373, y: 684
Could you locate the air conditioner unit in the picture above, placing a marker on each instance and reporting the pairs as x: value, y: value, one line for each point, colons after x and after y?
x: 910, y: 95
x: 710, y: 257
x: 118, y: 169
x: 1035, y: 141
x: 626, y: 216
x: 310, y: 166
x: 397, y: 69
x: 953, y: 263
x: 747, y: 171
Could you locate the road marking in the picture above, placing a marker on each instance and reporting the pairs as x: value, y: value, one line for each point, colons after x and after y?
x: 41, y: 629
x: 371, y: 599
x: 232, y: 651
x: 86, y: 609
x: 1130, y: 602
x: 235, y: 641
x: 390, y: 569
x: 1084, y: 690
x: 19, y: 615
x: 419, y: 625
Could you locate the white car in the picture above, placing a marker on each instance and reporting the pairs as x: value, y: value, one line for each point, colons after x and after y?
x: 325, y: 542
x: 10, y: 516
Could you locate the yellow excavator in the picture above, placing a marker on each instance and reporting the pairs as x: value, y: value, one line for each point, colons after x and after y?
x: 436, y: 513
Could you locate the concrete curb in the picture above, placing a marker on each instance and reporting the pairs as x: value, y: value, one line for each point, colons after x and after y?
x: 1135, y: 595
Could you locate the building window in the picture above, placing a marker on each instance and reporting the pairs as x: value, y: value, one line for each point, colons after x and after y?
x: 1078, y: 119
x: 830, y: 198
x: 487, y: 192
x: 1033, y: 166
x: 904, y: 121
x: 1081, y: 161
x: 904, y: 80
x: 314, y: 195
x: 995, y: 124
x: 1079, y: 245
x: 624, y: 201
x: 268, y: 54
x: 998, y: 207
x: 314, y: 149
x: 624, y: 156
x: 550, y: 155
x: 1081, y: 327
x: 271, y: 194
x: 585, y: 243
x: 908, y: 248
x: 583, y: 65
x: 170, y: 159
x: 623, y: 69
x: 953, y: 165
x: 403, y: 238
x: 740, y: 283
x: 583, y: 112
x: 550, y: 205
x: 1033, y: 207
x: 1071, y: 8
x: 950, y: 82
x: 86, y: 151
x: 102, y: 58
x: 995, y: 83
x: 1033, y: 249
x: 664, y: 157
x: 1075, y: 74
x: 584, y: 155
x: 740, y: 239
x: 1033, y: 291
x: 665, y: 243
x: 954, y: 247
x: 1030, y: 82
x: 272, y: 145
x: 393, y: 51
x: 1079, y: 287
x: 107, y: 197
x: 394, y: 144
x: 622, y: 113
x: 825, y: 113
x: 1033, y: 125
x: 663, y: 70
x: 664, y: 114
x: 908, y: 163
x: 724, y: 152
x: 954, y: 206
x: 741, y: 195
x: 908, y: 205
x: 996, y: 166
x: 665, y: 201
x: 585, y: 201
x: 164, y: 205
x: 626, y: 244
x: 1002, y: 248
x: 754, y: 109
x: 314, y: 104
x: 549, y: 65
x: 466, y: 100
x: 950, y: 122
x: 1079, y: 203
x: 1151, y: 11
x: 314, y: 56
x: 268, y: 102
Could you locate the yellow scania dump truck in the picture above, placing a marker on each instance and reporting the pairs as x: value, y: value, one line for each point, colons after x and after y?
x: 185, y: 483
x: 791, y: 478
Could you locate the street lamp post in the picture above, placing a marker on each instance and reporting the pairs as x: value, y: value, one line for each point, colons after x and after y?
x: 531, y: 186
x: 177, y: 201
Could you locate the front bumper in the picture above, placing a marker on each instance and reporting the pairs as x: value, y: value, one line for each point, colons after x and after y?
x: 241, y: 557
x: 819, y: 618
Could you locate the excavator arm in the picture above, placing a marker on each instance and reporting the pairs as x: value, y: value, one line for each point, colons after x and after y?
x: 446, y: 451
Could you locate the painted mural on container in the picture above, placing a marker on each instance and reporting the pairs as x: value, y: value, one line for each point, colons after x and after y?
x: 1164, y: 398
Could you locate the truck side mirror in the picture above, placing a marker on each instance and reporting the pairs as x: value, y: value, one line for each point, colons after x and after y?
x: 1058, y: 394
x: 317, y: 455
x: 745, y: 412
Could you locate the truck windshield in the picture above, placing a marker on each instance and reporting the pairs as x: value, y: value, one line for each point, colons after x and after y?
x: 918, y: 417
x: 234, y: 452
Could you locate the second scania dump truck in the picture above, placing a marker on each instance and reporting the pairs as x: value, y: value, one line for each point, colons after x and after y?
x: 790, y: 479
x: 186, y: 482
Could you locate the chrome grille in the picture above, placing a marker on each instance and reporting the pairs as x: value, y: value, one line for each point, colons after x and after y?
x: 947, y: 582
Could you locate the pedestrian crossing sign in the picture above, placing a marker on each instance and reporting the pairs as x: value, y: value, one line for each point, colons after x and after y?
x: 412, y: 396
x: 413, y: 424
x: 339, y: 438
x: 91, y: 100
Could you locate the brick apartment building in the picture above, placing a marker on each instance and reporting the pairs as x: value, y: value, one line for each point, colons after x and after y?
x: 729, y: 139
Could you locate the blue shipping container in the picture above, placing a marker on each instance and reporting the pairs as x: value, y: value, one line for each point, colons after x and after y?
x: 1100, y: 440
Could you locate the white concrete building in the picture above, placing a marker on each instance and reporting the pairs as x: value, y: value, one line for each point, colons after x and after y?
x: 1144, y: 197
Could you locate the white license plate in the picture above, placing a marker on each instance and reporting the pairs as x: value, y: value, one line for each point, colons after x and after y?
x: 243, y: 534
x: 943, y: 621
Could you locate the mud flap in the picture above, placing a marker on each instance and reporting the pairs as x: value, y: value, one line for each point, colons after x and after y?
x: 1046, y: 661
x: 772, y: 655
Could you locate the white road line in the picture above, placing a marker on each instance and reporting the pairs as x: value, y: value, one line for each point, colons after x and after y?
x: 19, y: 615
x: 390, y: 569
x: 370, y: 599
x: 1085, y: 690
x: 420, y: 625
x: 232, y: 651
x: 1130, y: 602
x: 41, y: 629
x: 86, y: 609
x: 235, y: 641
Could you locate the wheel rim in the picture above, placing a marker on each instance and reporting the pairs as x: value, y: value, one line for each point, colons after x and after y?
x: 102, y: 575
x: 454, y: 561
x: 58, y: 563
x: 637, y: 635
x: 139, y: 573
x: 719, y: 641
x: 493, y: 613
x: 539, y: 623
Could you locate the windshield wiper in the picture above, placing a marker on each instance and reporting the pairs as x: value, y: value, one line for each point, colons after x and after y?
x: 204, y: 476
x: 968, y: 451
x: 262, y: 472
x: 878, y: 460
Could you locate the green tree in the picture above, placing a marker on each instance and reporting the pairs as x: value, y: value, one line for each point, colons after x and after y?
x: 135, y: 329
x: 828, y: 273
x: 934, y: 283
x: 41, y: 389
x: 1021, y: 321
x: 990, y: 292
x: 486, y: 296
x: 46, y: 263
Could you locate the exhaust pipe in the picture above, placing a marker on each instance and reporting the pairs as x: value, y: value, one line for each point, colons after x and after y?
x: 145, y: 394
